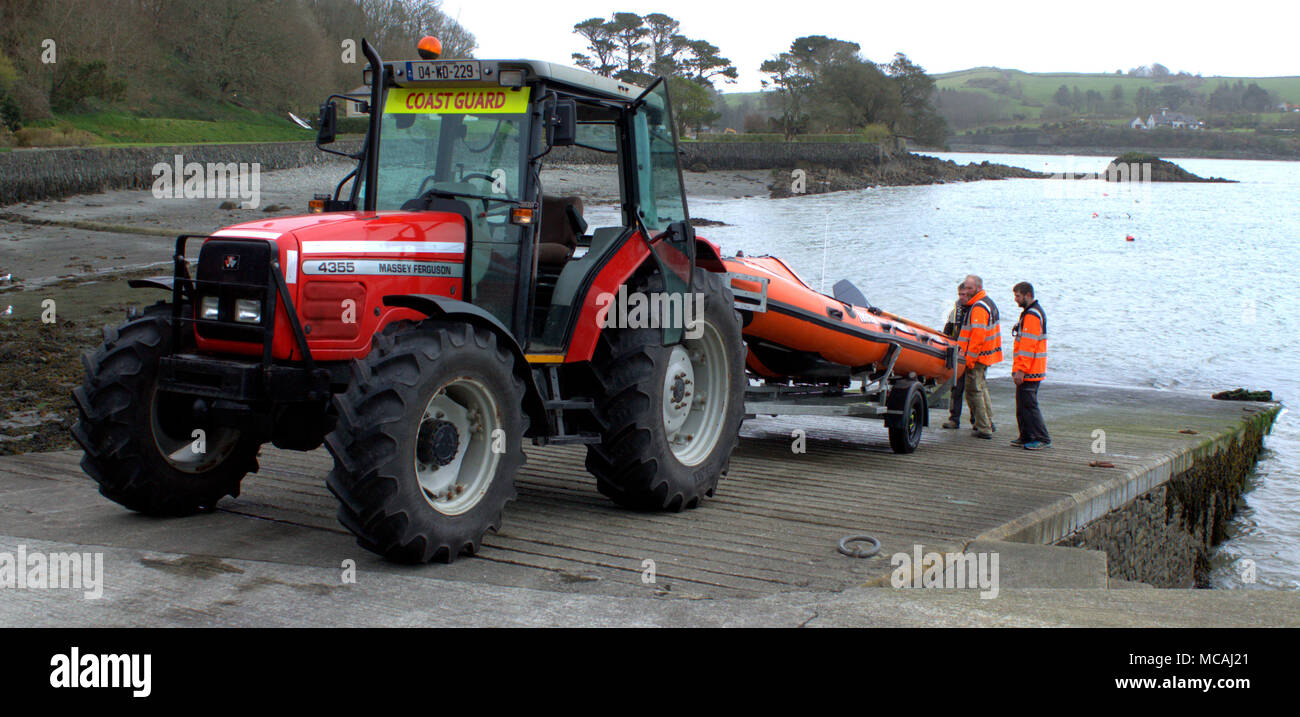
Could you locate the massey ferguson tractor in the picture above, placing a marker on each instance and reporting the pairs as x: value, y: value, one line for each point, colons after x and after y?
x: 430, y: 315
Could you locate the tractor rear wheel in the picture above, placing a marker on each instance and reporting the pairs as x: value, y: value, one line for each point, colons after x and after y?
x: 143, y: 446
x: 669, y: 415
x: 428, y: 441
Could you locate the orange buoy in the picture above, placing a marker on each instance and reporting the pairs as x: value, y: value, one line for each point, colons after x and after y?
x: 1130, y: 238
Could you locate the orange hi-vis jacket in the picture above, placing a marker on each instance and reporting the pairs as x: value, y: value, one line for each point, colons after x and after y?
x: 1031, y: 344
x: 981, y: 336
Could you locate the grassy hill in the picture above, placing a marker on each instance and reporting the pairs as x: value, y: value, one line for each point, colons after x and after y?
x: 991, y: 97
x: 1038, y: 87
x: 226, y: 123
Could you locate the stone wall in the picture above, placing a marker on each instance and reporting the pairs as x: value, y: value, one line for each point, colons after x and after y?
x: 755, y: 155
x: 29, y: 174
x: 1164, y: 537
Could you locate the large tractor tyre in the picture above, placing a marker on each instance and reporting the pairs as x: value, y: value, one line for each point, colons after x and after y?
x: 142, y: 446
x: 669, y: 416
x: 428, y: 441
x: 905, y: 430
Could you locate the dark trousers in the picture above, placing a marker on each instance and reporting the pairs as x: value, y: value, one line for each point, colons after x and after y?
x: 1028, y: 416
x: 958, y: 391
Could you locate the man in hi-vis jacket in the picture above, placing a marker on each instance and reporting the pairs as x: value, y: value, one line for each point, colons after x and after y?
x: 981, y: 342
x: 1029, y: 368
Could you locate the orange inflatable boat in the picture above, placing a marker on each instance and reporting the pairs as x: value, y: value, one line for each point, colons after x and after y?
x: 794, y: 332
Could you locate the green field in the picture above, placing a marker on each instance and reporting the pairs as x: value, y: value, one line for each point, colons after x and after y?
x: 1038, y: 87
x: 228, y: 124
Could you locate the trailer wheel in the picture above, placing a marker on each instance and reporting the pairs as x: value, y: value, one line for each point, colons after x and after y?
x: 142, y: 446
x: 905, y: 430
x: 669, y: 415
x: 428, y: 441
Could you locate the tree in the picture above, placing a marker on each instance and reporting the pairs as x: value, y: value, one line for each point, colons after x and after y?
x: 692, y: 103
x: 827, y: 79
x: 1062, y: 96
x: 916, y: 90
x: 791, y: 87
x: 628, y: 31
x: 600, y: 43
x: 637, y: 49
x: 702, y: 62
x: 1256, y: 99
x: 852, y: 95
x: 662, y: 35
x: 1092, y: 100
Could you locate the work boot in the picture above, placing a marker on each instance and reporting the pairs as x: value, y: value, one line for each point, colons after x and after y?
x: 951, y: 424
x: 989, y: 436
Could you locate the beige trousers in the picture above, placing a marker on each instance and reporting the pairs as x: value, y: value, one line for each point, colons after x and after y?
x: 977, y: 397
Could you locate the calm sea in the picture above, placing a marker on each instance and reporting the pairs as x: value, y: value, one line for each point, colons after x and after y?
x: 1204, y: 298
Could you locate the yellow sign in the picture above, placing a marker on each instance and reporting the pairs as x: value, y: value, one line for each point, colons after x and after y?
x: 457, y: 100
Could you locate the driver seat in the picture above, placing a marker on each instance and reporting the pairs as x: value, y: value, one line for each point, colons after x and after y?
x: 562, y: 224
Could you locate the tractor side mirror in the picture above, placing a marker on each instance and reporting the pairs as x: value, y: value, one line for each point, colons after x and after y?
x: 564, y: 123
x: 329, y: 116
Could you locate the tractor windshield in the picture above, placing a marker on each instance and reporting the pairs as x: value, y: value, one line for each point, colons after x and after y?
x: 464, y: 141
x: 469, y: 144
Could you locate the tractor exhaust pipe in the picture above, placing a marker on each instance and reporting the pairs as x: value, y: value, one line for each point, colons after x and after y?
x: 378, y: 90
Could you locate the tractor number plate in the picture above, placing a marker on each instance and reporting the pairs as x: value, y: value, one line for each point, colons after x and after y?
x: 449, y: 70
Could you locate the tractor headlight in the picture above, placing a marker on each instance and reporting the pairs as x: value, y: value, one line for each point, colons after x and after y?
x: 248, y: 311
x: 210, y: 308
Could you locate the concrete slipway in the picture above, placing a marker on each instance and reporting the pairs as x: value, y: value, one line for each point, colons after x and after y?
x: 762, y: 552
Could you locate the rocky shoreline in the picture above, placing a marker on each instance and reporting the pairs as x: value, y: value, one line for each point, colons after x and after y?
x: 900, y: 170
x: 1130, y: 166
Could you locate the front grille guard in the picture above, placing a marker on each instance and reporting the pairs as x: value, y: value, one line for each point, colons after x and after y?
x: 185, y: 290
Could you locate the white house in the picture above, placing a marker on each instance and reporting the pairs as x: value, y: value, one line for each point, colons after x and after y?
x: 1137, y: 123
x: 1173, y: 120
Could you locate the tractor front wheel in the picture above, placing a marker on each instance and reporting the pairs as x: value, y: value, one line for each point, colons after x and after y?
x: 428, y: 441
x: 143, y: 446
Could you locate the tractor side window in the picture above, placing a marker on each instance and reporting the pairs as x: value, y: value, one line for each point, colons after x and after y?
x: 659, y: 179
x: 600, y: 136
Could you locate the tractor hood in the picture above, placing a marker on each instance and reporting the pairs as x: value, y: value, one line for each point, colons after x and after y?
x: 326, y: 258
x: 361, y: 233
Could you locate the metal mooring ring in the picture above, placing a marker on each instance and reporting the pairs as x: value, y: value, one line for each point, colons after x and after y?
x: 859, y: 552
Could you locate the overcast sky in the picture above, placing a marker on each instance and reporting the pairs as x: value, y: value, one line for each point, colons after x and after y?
x: 1240, y: 38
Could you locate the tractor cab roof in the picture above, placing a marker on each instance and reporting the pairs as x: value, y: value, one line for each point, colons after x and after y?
x: 509, y: 73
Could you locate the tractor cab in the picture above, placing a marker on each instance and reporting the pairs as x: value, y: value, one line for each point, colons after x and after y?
x: 438, y: 309
x: 470, y: 138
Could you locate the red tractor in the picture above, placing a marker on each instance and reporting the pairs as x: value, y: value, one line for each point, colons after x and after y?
x: 426, y: 321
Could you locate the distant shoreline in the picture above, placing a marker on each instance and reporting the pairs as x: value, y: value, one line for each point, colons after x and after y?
x: 1104, y: 152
